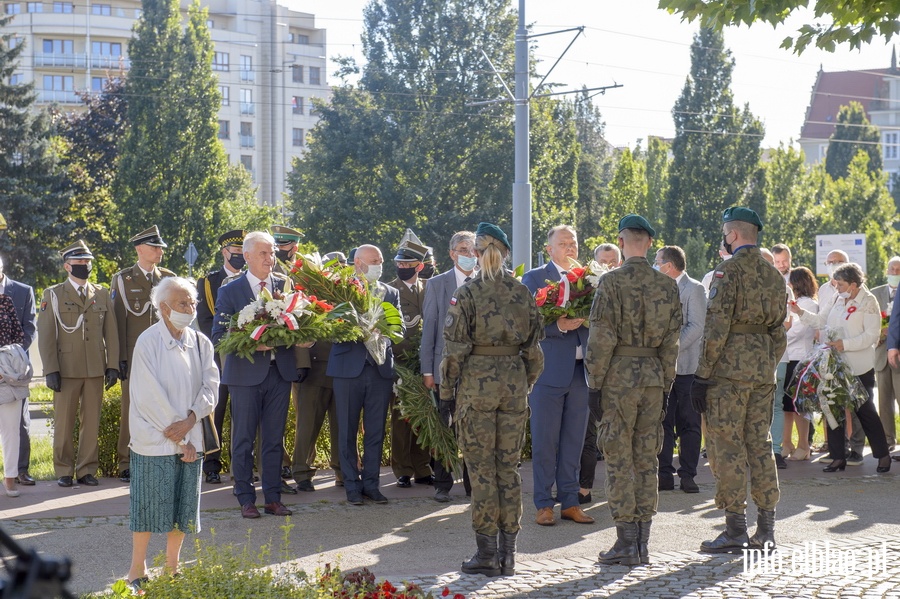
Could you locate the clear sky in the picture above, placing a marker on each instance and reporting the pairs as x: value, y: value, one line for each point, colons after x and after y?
x: 645, y: 49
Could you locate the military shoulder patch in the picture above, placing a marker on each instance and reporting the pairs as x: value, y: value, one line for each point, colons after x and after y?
x: 452, y: 301
x: 448, y: 321
x: 719, y: 274
x: 713, y: 292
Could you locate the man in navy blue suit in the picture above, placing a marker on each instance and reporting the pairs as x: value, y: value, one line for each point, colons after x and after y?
x: 559, y: 400
x: 260, y: 390
x: 22, y: 297
x: 363, y: 385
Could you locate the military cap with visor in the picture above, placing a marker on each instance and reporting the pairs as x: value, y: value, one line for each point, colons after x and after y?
x: 636, y: 221
x: 284, y: 235
x: 150, y: 236
x: 232, y: 238
x: 746, y: 215
x: 77, y: 251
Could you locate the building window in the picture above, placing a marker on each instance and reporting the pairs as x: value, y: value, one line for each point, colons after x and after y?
x: 138, y: 13
x: 98, y: 83
x: 299, y: 138
x: 224, y: 130
x: 58, y: 46
x: 247, y: 68
x: 296, y: 38
x: 210, y: 24
x: 891, y: 141
x: 315, y: 76
x: 220, y: 61
x: 59, y: 83
x: 247, y: 139
x: 297, y: 73
x: 63, y: 7
x: 13, y: 9
x: 106, y: 48
x: 297, y: 105
x: 101, y: 9
x: 823, y: 150
x: 247, y: 106
x: 247, y: 163
x: 15, y: 41
x: 16, y: 79
x: 225, y: 92
x: 35, y: 7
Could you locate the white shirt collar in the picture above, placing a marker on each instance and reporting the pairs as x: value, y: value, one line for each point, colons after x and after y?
x: 461, y: 276
x: 254, y: 283
x: 147, y: 273
x: 679, y: 277
x: 3, y: 284
x: 76, y: 285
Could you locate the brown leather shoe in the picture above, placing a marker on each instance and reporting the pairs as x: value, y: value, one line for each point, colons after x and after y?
x: 249, y: 510
x: 576, y: 514
x: 276, y: 508
x: 25, y: 479
x: 545, y: 517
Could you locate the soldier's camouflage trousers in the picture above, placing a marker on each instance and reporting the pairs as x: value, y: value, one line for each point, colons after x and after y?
x: 491, y: 432
x: 631, y: 437
x: 738, y: 419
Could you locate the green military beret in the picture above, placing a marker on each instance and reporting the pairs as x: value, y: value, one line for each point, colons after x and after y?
x: 636, y: 221
x: 495, y: 232
x: 740, y: 213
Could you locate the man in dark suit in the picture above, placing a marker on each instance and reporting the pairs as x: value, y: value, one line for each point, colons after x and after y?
x: 363, y: 385
x: 260, y: 390
x: 559, y: 400
x: 682, y: 422
x: 438, y: 293
x: 408, y: 459
x: 231, y: 244
x: 22, y: 297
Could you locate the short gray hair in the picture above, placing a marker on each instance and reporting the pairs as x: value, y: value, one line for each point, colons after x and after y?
x: 163, y: 290
x: 608, y: 247
x: 461, y: 236
x: 559, y: 228
x: 255, y: 237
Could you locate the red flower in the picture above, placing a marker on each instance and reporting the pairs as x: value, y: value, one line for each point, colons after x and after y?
x: 445, y: 592
x: 459, y: 596
x: 540, y: 298
x: 575, y: 274
x: 388, y: 587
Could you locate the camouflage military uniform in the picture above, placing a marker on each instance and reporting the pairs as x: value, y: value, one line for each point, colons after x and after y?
x: 492, y: 390
x: 745, y: 290
x: 631, y: 354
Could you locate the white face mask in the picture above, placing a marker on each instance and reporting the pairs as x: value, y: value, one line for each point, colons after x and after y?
x: 893, y: 280
x: 373, y: 273
x: 844, y: 294
x: 180, y: 320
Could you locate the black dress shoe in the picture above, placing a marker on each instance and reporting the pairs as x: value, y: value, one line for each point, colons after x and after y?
x: 666, y: 483
x: 125, y: 475
x: 354, y: 498
x: 884, y: 465
x: 287, y: 488
x: 835, y: 466
x: 213, y: 478
x: 404, y: 482
x: 583, y: 499
x: 286, y: 472
x: 375, y: 495
x: 25, y: 479
x: 306, y: 486
x: 425, y: 480
x: 688, y: 485
x: 780, y: 462
x: 89, y: 480
x: 64, y: 481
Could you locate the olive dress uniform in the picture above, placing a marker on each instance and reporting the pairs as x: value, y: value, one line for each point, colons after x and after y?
x: 408, y: 458
x: 134, y: 315
x: 743, y: 339
x: 78, y: 339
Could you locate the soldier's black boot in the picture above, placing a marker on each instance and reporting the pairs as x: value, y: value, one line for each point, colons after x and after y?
x: 507, y: 553
x: 485, y: 561
x: 733, y: 540
x: 625, y: 550
x: 643, y: 541
x: 764, y: 537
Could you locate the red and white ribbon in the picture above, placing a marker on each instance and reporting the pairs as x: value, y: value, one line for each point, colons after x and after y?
x: 564, y: 290
x: 258, y: 332
x: 289, y: 321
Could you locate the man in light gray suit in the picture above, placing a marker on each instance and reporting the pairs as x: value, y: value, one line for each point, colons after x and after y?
x: 887, y: 377
x: 438, y: 293
x: 681, y: 419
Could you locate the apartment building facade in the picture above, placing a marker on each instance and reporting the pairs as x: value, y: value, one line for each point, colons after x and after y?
x: 270, y: 62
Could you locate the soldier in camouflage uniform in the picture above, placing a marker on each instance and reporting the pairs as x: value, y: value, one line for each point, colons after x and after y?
x: 735, y: 384
x: 631, y: 354
x: 492, y: 358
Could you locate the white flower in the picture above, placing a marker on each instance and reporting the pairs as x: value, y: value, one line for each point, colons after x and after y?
x: 247, y: 314
x: 828, y: 376
x: 274, y: 308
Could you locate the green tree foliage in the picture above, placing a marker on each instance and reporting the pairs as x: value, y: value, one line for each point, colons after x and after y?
x: 173, y: 171
x: 33, y: 195
x: 404, y: 148
x: 715, y: 153
x: 852, y: 134
x: 627, y: 193
x: 853, y: 22
x: 656, y: 165
x: 91, y: 139
x: 596, y: 168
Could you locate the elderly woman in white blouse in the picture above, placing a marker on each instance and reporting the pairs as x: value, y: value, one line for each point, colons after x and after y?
x: 855, y: 320
x: 174, y: 383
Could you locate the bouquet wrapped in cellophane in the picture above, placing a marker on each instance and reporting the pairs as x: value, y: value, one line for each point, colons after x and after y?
x: 572, y: 295
x: 823, y: 383
x: 376, y: 322
x: 275, y: 319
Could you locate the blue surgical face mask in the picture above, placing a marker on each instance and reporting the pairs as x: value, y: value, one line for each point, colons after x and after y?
x: 893, y: 280
x: 656, y: 267
x: 467, y: 263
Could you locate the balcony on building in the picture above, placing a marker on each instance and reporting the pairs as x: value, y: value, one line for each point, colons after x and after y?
x: 248, y: 108
x: 247, y: 75
x: 248, y: 141
x: 54, y: 96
